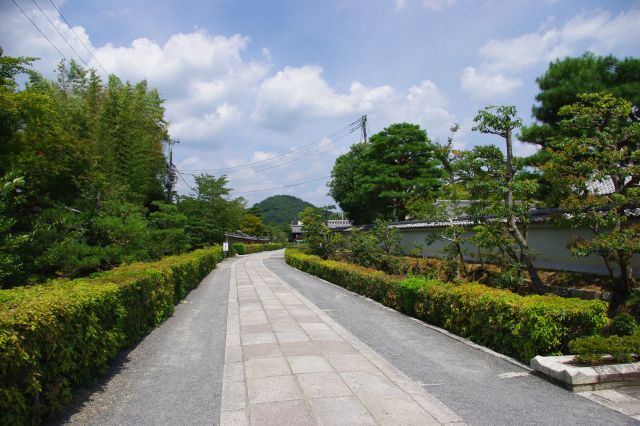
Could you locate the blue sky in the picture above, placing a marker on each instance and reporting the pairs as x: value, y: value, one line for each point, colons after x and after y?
x: 246, y: 81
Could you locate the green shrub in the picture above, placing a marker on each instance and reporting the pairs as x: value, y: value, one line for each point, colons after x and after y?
x: 58, y: 334
x: 620, y: 349
x: 623, y: 324
x: 520, y: 326
x: 241, y: 248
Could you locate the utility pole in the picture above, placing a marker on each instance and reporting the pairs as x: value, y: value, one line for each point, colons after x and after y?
x: 363, y: 126
x: 170, y: 180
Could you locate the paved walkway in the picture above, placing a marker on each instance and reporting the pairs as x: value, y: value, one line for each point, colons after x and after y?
x: 300, y: 350
x: 287, y: 362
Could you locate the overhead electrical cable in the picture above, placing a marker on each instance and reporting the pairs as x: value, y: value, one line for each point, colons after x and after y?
x: 78, y: 37
x: 265, y: 167
x: 185, y: 182
x: 278, y: 160
x: 61, y: 35
x: 286, y: 158
x: 281, y: 187
x: 38, y: 28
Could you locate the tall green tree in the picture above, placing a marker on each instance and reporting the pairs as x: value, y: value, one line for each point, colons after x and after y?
x: 318, y: 237
x: 567, y: 78
x: 602, y: 146
x: 516, y: 194
x: 210, y: 210
x: 345, y: 187
x: 377, y: 179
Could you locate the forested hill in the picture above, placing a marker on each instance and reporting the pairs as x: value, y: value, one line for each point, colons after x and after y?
x: 281, y: 208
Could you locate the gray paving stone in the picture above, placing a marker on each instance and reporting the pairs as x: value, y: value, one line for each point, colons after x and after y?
x: 334, y: 348
x: 271, y: 389
x: 367, y: 384
x: 265, y: 367
x: 256, y: 328
x: 233, y: 396
x: 233, y: 372
x: 261, y: 350
x: 256, y: 338
x: 340, y: 412
x: 309, y: 364
x: 322, y: 385
x: 352, y: 362
x: 324, y: 336
x: 315, y: 326
x: 294, y: 413
x: 299, y: 348
x: 233, y: 418
x: 288, y: 325
x: 292, y: 336
x: 398, y: 410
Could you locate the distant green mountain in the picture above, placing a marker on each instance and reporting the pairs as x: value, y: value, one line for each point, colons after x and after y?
x: 281, y: 208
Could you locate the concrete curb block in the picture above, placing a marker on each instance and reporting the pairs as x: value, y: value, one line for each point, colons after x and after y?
x: 580, y: 379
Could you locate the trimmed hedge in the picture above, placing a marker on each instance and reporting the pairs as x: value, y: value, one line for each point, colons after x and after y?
x: 597, y: 350
x: 58, y: 334
x: 241, y: 248
x: 519, y: 326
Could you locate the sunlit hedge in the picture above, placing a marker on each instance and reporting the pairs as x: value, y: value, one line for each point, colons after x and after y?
x: 58, y: 334
x: 241, y: 248
x: 520, y: 326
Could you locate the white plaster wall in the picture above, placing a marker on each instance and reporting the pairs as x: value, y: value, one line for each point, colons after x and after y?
x: 549, y: 244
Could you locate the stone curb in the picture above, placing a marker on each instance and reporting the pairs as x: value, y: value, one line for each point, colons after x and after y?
x: 580, y: 379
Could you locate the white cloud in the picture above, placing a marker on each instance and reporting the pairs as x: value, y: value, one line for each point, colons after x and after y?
x: 487, y: 87
x: 597, y: 31
x: 298, y: 94
x: 204, y: 127
x: 229, y: 110
x: 434, y: 5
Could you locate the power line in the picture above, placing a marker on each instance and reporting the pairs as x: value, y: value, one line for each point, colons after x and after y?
x: 265, y: 167
x: 60, y: 34
x: 79, y: 39
x: 38, y: 28
x: 283, y: 187
x: 312, y: 147
x: 289, y: 157
x: 185, y: 182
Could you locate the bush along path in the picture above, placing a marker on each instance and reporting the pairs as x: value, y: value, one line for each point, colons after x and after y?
x: 475, y: 383
x: 56, y: 335
x: 519, y: 326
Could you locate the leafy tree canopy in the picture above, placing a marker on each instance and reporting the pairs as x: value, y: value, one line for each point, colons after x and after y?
x: 567, y: 78
x: 378, y: 179
x: 603, y: 145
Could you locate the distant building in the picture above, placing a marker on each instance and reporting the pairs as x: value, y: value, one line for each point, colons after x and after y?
x: 340, y: 223
x: 296, y: 232
x: 335, y: 225
x: 241, y: 237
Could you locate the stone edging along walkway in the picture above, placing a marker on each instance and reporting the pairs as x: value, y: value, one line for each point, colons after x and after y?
x: 288, y: 362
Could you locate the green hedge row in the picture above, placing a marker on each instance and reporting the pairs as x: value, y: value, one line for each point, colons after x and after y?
x: 617, y: 349
x: 519, y: 326
x: 58, y: 334
x: 241, y: 248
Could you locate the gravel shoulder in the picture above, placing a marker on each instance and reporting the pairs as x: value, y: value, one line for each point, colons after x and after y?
x: 174, y: 375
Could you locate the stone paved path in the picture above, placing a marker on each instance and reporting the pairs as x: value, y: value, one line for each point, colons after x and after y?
x: 288, y: 362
